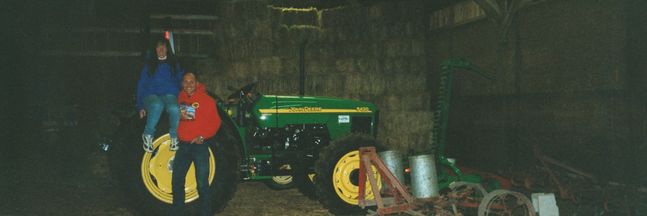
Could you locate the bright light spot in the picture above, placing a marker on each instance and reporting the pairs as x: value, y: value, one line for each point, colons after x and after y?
x: 263, y: 117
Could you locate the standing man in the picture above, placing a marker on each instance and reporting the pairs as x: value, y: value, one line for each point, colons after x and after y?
x: 199, y: 122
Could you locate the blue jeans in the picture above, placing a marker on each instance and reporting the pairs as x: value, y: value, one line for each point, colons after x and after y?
x: 154, y: 105
x: 198, y: 153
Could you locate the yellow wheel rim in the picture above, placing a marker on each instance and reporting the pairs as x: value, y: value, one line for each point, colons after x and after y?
x: 285, y: 179
x: 157, y: 172
x: 311, y: 177
x: 345, y: 178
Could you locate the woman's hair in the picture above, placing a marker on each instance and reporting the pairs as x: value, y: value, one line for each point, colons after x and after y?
x: 170, y: 57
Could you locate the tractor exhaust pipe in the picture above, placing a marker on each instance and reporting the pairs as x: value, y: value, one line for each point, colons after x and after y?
x: 424, y: 180
x: 302, y: 67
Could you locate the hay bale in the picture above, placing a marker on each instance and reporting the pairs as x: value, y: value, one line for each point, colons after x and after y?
x: 345, y: 66
x: 402, y: 84
x: 415, y: 101
x: 406, y: 130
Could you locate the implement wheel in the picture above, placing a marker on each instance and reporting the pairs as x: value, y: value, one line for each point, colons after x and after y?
x: 505, y: 202
x: 466, y: 196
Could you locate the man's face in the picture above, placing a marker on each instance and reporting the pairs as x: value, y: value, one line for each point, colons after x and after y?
x: 189, y: 83
x: 161, y: 50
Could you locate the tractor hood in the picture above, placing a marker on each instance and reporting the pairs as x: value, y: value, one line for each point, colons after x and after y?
x: 271, y: 104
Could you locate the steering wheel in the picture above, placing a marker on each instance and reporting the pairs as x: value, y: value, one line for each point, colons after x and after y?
x: 248, y: 92
x: 245, y: 93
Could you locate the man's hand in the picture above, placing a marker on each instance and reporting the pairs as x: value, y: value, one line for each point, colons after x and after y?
x: 142, y: 113
x: 197, y: 140
x: 183, y: 115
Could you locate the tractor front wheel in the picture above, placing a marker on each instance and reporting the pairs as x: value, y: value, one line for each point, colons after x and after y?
x: 281, y: 182
x: 337, y: 179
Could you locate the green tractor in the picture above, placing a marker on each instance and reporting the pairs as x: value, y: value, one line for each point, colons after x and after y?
x: 310, y: 142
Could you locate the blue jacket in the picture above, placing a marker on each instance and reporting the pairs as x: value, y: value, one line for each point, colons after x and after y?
x: 162, y: 82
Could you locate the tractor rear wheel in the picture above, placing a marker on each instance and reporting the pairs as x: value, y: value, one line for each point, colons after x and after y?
x: 146, y: 177
x: 337, y: 176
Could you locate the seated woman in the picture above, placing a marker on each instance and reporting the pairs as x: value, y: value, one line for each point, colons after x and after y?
x: 157, y: 90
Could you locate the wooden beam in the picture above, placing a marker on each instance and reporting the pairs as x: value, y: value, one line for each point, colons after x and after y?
x: 91, y: 53
x: 111, y: 53
x: 134, y: 30
x: 184, y: 16
x: 498, y: 11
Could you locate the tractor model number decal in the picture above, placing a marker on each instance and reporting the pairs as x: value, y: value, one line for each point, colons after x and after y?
x: 362, y: 109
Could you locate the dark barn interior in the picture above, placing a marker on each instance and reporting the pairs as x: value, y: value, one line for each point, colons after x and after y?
x: 566, y: 77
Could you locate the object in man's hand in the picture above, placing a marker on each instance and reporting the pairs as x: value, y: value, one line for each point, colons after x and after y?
x: 187, y: 112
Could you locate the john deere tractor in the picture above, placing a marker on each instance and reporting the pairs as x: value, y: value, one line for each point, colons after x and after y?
x: 283, y: 140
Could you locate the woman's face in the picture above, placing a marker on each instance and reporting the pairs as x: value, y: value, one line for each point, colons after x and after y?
x: 161, y: 50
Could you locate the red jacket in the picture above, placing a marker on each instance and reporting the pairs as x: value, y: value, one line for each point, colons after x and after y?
x: 199, y: 115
